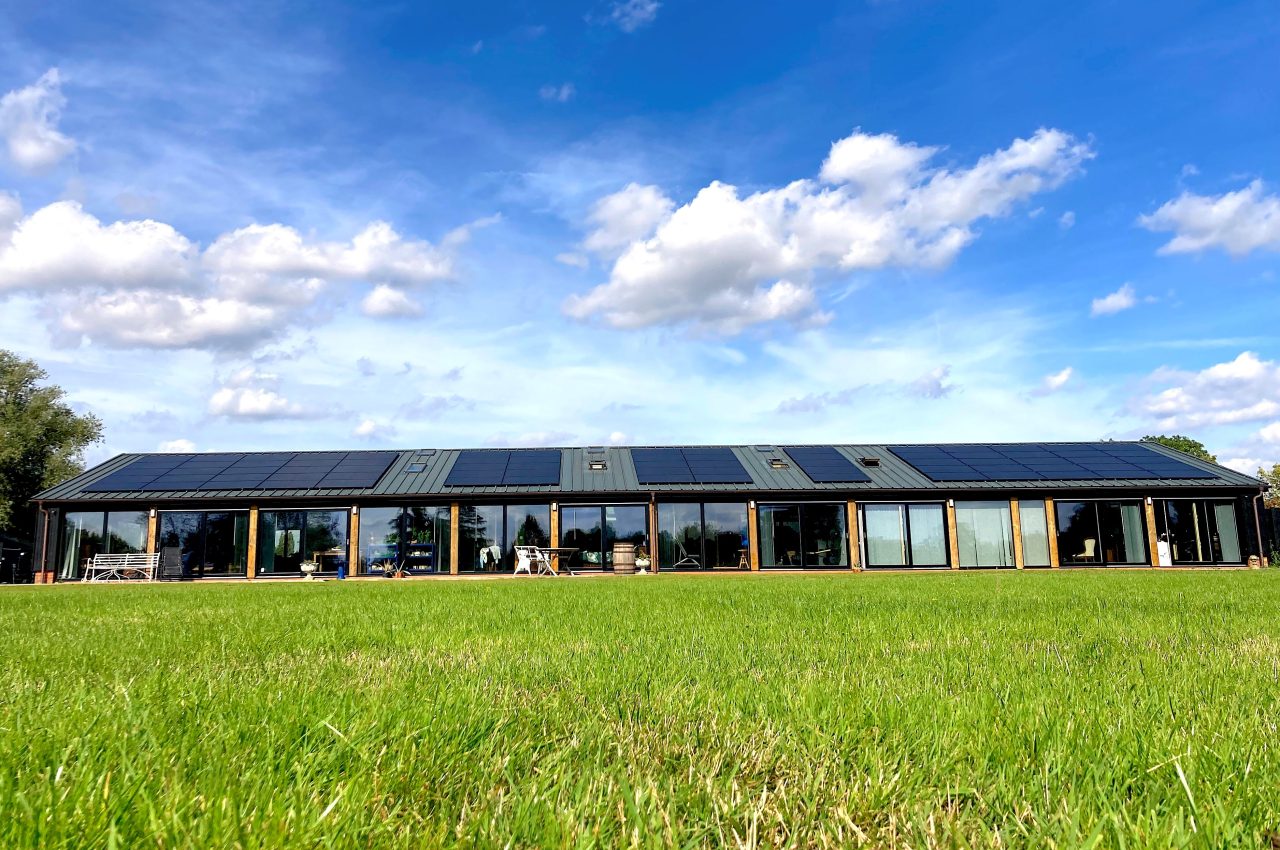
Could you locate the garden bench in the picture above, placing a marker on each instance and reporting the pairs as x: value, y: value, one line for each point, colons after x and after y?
x: 131, y: 567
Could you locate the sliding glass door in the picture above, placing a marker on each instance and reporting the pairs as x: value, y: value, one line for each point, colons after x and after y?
x: 1200, y: 531
x: 904, y: 535
x: 593, y: 529
x: 1102, y: 533
x: 803, y: 535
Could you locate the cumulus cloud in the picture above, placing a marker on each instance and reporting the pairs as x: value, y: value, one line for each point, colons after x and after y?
x: 726, y: 261
x: 1067, y: 220
x: 934, y: 383
x: 250, y: 393
x: 1122, y: 299
x: 29, y: 124
x: 558, y: 94
x: 631, y: 15
x: 372, y: 430
x: 1056, y: 381
x: 1238, y: 222
x: 1246, y: 389
x: 144, y: 284
x: 179, y: 446
x: 573, y: 258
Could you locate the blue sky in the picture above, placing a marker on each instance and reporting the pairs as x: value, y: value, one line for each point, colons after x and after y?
x: 230, y: 226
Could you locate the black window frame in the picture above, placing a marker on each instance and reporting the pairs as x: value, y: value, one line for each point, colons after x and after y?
x: 864, y: 549
x: 800, y: 523
x: 1102, y: 561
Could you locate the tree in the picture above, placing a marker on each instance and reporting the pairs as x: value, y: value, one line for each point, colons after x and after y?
x: 1272, y: 499
x: 1186, y: 445
x: 42, y: 440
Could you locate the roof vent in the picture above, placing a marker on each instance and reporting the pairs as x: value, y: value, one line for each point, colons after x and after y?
x: 598, y: 465
x: 870, y: 461
x: 595, y: 450
x: 415, y: 468
x: 778, y: 463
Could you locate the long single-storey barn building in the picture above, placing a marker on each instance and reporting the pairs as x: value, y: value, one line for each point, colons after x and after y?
x: 258, y: 515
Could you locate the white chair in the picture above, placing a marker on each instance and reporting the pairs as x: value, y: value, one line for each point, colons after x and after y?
x: 525, y: 556
x: 1090, y: 546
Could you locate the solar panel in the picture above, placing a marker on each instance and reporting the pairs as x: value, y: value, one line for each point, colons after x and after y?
x: 478, y: 468
x: 533, y: 466
x: 1045, y: 461
x: 715, y: 466
x: 824, y: 464
x: 661, y: 466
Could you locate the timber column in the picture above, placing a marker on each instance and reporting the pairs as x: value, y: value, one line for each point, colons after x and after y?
x: 1153, y: 543
x: 1015, y: 512
x: 353, y: 543
x: 753, y: 537
x: 952, y: 543
x: 855, y: 550
x: 555, y: 535
x: 251, y: 568
x: 1051, y: 523
x: 454, y: 514
x: 153, y: 520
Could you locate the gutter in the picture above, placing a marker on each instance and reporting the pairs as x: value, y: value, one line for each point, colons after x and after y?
x: 1257, y: 521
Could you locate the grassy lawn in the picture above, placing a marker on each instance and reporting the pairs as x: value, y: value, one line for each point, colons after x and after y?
x: 1065, y: 709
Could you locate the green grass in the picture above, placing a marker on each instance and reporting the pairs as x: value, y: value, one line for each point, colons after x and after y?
x: 1064, y: 709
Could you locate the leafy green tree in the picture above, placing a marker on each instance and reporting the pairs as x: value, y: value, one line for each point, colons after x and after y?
x: 1186, y: 445
x: 1272, y: 499
x: 42, y: 440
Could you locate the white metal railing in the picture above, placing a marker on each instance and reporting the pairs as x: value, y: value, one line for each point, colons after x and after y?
x: 130, y: 567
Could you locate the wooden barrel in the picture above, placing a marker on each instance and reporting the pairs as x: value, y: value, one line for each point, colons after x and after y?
x: 624, y: 558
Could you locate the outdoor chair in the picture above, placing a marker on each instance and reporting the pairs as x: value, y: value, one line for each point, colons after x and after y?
x: 1090, y: 546
x: 685, y: 558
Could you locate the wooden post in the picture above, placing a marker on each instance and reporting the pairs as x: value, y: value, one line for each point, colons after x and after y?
x: 153, y: 522
x: 855, y: 550
x: 952, y: 542
x: 1152, y: 540
x: 653, y: 533
x: 251, y: 569
x: 1015, y: 511
x: 353, y: 543
x: 753, y: 538
x: 555, y: 535
x: 454, y: 515
x: 1051, y: 526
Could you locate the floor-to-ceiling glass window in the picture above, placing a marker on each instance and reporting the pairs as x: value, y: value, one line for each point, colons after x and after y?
x: 1200, y: 531
x: 593, y: 529
x: 1101, y: 533
x: 480, y: 539
x: 199, y: 544
x: 414, y: 539
x: 527, y: 525
x: 984, y: 534
x: 1035, y: 532
x: 380, y: 535
x: 905, y: 535
x: 127, y: 532
x: 803, y: 535
x: 287, y: 538
x: 710, y: 536
x: 82, y: 538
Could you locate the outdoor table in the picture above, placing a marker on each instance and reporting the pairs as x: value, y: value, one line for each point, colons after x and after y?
x: 550, y: 552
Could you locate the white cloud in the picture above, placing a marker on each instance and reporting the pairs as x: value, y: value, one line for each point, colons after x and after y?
x: 578, y: 261
x: 179, y: 446
x: 1271, y: 434
x: 933, y: 384
x: 252, y: 394
x: 631, y: 15
x: 1246, y: 389
x: 144, y: 284
x: 1238, y: 222
x: 388, y: 302
x: 1245, y: 465
x: 725, y: 262
x: 1067, y: 220
x: 1122, y: 299
x: 371, y: 429
x: 558, y: 94
x: 1056, y: 381
x: 29, y: 124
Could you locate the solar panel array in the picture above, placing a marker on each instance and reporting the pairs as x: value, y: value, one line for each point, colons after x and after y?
x: 262, y: 471
x: 688, y: 466
x: 823, y: 464
x: 1045, y: 461
x: 493, y: 467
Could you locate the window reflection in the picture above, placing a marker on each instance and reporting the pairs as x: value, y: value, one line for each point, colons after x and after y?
x: 803, y: 535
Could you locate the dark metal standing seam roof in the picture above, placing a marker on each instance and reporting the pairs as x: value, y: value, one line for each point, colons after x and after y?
x: 619, y: 477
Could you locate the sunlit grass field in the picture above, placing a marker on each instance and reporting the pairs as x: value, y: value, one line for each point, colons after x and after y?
x: 1063, y: 709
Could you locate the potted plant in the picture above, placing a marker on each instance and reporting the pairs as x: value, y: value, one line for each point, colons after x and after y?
x: 309, y: 569
x: 642, y: 559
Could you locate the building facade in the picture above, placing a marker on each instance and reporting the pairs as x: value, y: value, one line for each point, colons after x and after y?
x: 706, y: 508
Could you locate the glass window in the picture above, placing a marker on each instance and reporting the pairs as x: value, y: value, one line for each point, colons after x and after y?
x: 984, y: 534
x: 204, y: 544
x: 287, y: 538
x: 527, y: 525
x: 480, y: 539
x: 1077, y: 533
x: 803, y: 535
x: 426, y: 546
x: 1101, y: 533
x: 885, y: 529
x: 126, y: 532
x: 1035, y: 533
x: 1228, y: 533
x: 1200, y: 531
x: 680, y: 536
x: 379, y: 539
x: 702, y: 536
x: 928, y: 526
x: 82, y: 533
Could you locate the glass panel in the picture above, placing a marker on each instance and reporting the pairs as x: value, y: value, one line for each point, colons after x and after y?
x: 1185, y: 524
x: 984, y: 534
x: 1228, y: 533
x: 822, y: 530
x: 580, y: 529
x: 885, y: 528
x: 280, y: 542
x: 379, y: 539
x: 1123, y: 532
x: 126, y: 532
x: 326, y: 539
x: 1077, y: 533
x: 427, y: 539
x: 81, y: 540
x: 680, y: 536
x: 726, y: 535
x: 480, y: 539
x: 780, y: 535
x: 527, y: 525
x: 181, y: 535
x: 928, y: 535
x: 624, y: 524
x: 1035, y: 533
x: 226, y: 544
